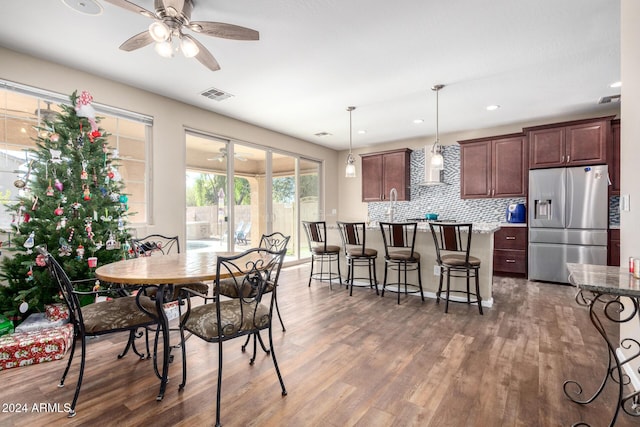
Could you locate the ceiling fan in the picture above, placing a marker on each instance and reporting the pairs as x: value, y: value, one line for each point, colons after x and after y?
x: 171, y: 19
x: 223, y: 155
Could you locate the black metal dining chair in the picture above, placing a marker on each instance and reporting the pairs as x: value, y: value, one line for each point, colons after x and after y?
x: 116, y: 315
x: 225, y: 319
x: 453, y: 256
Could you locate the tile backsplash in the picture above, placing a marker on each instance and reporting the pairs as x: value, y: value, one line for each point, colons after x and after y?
x: 445, y: 199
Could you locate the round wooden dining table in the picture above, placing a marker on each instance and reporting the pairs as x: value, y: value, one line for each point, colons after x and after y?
x: 163, y: 271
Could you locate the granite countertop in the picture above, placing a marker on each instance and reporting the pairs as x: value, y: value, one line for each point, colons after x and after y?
x: 423, y: 226
x: 603, y: 279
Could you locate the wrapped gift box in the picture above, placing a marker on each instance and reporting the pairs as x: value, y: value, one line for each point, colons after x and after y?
x: 37, y: 321
x: 55, y: 312
x: 28, y: 348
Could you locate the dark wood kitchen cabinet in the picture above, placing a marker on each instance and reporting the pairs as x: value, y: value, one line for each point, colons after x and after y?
x: 383, y: 171
x: 493, y: 167
x: 576, y: 143
x: 614, y: 159
x: 510, y: 251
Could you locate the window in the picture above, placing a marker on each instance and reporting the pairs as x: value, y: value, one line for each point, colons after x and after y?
x: 22, y: 110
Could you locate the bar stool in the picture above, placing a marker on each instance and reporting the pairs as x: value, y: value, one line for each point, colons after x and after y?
x: 399, y: 243
x: 354, y: 239
x: 321, y: 252
x: 453, y: 247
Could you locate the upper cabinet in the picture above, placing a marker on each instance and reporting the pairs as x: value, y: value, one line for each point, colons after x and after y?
x: 383, y: 171
x: 582, y: 142
x: 614, y: 159
x: 493, y: 167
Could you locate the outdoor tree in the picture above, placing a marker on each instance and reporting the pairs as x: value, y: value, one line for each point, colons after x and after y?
x: 71, y: 202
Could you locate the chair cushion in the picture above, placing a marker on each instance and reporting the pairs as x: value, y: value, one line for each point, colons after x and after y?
x: 229, y: 288
x: 458, y: 260
x: 202, y: 319
x: 331, y: 249
x: 119, y: 313
x: 357, y: 253
x: 404, y: 256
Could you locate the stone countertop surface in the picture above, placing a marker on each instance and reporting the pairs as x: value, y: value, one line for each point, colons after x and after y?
x: 604, y: 279
x: 423, y: 226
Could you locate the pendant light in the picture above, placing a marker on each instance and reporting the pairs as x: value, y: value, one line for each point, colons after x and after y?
x: 437, y: 161
x: 350, y: 170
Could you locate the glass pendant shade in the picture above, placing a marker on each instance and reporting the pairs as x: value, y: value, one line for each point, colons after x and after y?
x: 437, y: 160
x: 164, y: 49
x: 188, y: 46
x: 159, y: 31
x: 350, y: 170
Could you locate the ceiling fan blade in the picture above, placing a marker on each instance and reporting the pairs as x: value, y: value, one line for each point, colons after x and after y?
x: 173, y: 7
x: 226, y: 31
x: 137, y: 41
x: 132, y: 7
x: 204, y: 56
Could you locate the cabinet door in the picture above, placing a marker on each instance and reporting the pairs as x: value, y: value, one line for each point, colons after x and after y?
x: 395, y: 168
x: 614, y: 159
x: 510, y: 167
x: 613, y: 248
x: 511, y: 238
x: 586, y: 144
x: 475, y: 170
x: 372, y: 178
x: 546, y: 148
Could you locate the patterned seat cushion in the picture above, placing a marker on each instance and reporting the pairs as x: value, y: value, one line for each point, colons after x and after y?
x: 404, y: 255
x: 229, y: 288
x: 458, y: 260
x: 202, y: 319
x: 357, y: 253
x: 119, y: 313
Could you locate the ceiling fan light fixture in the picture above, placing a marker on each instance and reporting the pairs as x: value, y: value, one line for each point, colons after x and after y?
x: 159, y: 31
x: 189, y: 47
x: 164, y: 49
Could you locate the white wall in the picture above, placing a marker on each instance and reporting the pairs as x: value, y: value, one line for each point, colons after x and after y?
x: 629, y: 147
x: 170, y: 119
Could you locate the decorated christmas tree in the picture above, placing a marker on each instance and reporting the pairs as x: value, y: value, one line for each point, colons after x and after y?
x: 71, y: 202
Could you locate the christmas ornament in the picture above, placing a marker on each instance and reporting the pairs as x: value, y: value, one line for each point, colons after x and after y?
x: 111, y: 242
x: 65, y: 249
x: 49, y: 189
x: 86, y: 192
x: 84, y: 174
x: 55, y: 156
x: 54, y: 137
x: 59, y: 186
x: 80, y: 252
x: 23, y: 307
x: 123, y: 202
x: 58, y: 211
x: 26, y: 217
x: 85, y: 109
x: 92, y: 262
x: 30, y: 242
x: 30, y: 274
x: 41, y: 261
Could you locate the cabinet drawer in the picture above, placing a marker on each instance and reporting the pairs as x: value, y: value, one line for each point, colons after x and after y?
x: 510, y: 238
x: 507, y: 261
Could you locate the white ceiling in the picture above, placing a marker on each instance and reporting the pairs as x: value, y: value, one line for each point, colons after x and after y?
x: 537, y: 59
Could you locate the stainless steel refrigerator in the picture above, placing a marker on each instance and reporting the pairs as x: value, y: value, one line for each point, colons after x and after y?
x: 568, y: 220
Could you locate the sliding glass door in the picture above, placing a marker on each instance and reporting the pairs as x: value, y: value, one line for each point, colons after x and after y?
x: 236, y: 192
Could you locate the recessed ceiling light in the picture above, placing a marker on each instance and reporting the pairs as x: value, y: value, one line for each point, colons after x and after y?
x: 88, y: 7
x: 362, y: 131
x: 616, y: 84
x: 492, y: 107
x: 418, y: 121
x: 321, y: 134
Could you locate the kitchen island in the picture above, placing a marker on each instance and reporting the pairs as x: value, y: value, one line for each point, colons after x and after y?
x: 481, y: 247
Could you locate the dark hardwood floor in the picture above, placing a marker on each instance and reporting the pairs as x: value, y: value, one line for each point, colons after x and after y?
x: 354, y: 361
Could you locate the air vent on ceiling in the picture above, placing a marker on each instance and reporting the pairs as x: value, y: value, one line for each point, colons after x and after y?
x: 319, y: 134
x: 609, y: 99
x: 216, y: 94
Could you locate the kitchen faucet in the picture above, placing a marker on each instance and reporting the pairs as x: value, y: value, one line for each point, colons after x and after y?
x: 393, y: 198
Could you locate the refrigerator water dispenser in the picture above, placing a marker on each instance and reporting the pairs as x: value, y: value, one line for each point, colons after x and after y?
x: 542, y: 209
